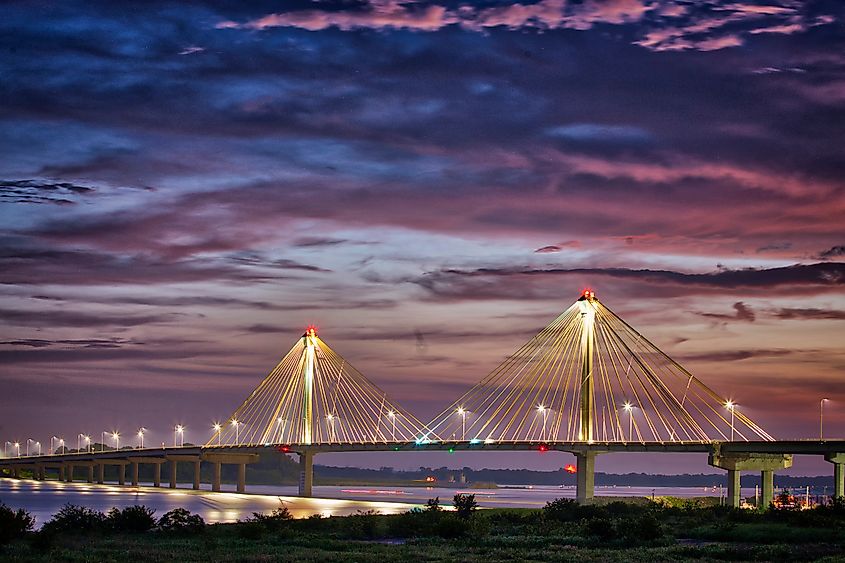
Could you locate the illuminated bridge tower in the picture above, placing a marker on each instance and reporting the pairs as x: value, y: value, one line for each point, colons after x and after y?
x: 586, y: 379
x: 313, y: 398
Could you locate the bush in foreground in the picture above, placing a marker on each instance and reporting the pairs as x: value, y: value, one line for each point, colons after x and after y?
x: 181, y: 520
x: 14, y: 524
x: 72, y: 518
x: 465, y: 505
x: 131, y: 519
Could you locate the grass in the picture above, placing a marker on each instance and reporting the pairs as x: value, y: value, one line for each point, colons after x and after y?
x: 562, y: 532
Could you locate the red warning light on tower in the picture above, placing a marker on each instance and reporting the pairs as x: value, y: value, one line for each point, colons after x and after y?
x: 311, y: 330
x: 588, y: 294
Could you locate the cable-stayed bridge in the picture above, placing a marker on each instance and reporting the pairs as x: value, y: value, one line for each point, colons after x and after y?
x: 588, y: 383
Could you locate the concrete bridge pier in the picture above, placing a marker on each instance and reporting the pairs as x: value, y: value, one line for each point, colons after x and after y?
x: 174, y: 459
x: 69, y: 472
x: 218, y: 459
x: 90, y: 472
x: 135, y: 472
x: 136, y: 469
x: 306, y: 473
x: 585, y: 482
x: 101, y: 473
x: 735, y: 463
x: 838, y: 461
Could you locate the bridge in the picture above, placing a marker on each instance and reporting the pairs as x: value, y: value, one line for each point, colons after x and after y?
x: 587, y: 384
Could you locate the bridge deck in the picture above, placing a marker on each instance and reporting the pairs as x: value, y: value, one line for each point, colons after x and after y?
x: 797, y: 447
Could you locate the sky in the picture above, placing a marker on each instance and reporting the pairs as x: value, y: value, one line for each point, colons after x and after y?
x: 184, y: 187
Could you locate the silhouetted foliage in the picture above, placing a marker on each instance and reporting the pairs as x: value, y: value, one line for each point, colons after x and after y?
x: 465, y: 505
x: 14, y: 524
x: 433, y: 504
x: 136, y: 518
x: 274, y: 520
x: 181, y: 520
x: 76, y: 519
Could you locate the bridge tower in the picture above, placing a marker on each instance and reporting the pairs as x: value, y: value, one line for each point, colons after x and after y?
x: 587, y: 399
x: 308, y: 384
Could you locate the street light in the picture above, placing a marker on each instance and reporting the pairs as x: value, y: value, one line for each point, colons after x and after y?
x: 141, y: 436
x: 629, y: 408
x: 116, y: 438
x: 217, y: 428
x: 821, y: 417
x: 545, y: 412
x: 237, y: 426
x: 392, y: 416
x: 87, y: 442
x: 18, y: 448
x: 180, y: 431
x: 28, y: 440
x: 52, y: 449
x: 730, y: 405
x: 463, y: 414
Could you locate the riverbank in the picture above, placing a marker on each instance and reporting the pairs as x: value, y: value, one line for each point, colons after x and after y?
x: 561, y: 531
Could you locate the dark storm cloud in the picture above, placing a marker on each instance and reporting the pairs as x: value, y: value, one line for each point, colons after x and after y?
x: 530, y: 283
x: 833, y: 252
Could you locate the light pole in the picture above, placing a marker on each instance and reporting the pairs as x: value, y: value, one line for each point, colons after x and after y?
x: 6, y: 448
x: 463, y: 414
x: 38, y: 445
x: 28, y: 440
x: 52, y: 449
x: 103, y: 441
x: 62, y: 445
x: 392, y: 416
x: 217, y: 429
x: 821, y: 417
x: 18, y: 448
x: 237, y: 426
x: 731, y: 406
x: 629, y: 408
x: 545, y: 412
x: 179, y: 431
x: 87, y: 439
x: 116, y: 437
x: 141, y: 436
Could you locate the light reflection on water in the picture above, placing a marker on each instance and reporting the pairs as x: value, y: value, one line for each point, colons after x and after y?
x: 45, y: 498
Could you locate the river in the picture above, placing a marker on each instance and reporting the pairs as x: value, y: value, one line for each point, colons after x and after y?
x: 44, y: 498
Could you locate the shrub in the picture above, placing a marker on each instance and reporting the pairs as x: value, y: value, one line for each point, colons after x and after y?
x: 433, y: 504
x: 465, y: 505
x: 363, y: 524
x: 274, y: 520
x: 72, y: 518
x: 450, y: 526
x: 14, y: 524
x: 181, y: 520
x: 131, y: 519
x: 561, y: 510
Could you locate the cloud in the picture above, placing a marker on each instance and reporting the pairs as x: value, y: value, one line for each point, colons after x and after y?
x: 41, y: 191
x: 599, y: 132
x: 832, y: 252
x: 558, y: 247
x: 809, y: 314
x: 532, y: 283
x: 743, y: 313
x: 734, y: 355
x: 64, y: 318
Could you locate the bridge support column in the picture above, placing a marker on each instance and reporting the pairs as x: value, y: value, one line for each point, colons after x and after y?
x: 734, y: 488
x: 157, y: 475
x: 62, y: 472
x: 586, y: 477
x: 766, y: 464
x: 241, y: 477
x: 173, y: 463
x: 91, y: 473
x: 101, y: 473
x: 241, y: 460
x: 69, y: 473
x: 838, y: 461
x: 121, y: 474
x: 215, y: 478
x: 306, y: 473
x: 767, y: 488
x: 196, y: 475
x: 135, y: 472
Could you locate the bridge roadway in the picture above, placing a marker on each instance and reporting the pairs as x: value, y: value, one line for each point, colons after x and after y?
x: 735, y: 457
